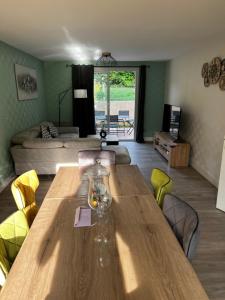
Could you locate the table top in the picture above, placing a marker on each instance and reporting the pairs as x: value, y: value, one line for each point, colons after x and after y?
x: 124, y: 180
x: 139, y: 259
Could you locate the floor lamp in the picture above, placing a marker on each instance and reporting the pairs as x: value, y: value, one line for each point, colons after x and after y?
x: 78, y: 94
x: 61, y: 97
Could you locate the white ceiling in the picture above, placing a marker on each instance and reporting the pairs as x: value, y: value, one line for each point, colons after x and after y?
x: 131, y: 30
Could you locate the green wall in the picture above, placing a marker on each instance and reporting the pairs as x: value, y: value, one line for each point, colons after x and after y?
x: 16, y: 115
x: 154, y: 102
x: 58, y: 78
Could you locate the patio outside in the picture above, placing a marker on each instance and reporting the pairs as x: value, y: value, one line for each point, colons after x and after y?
x: 119, y: 98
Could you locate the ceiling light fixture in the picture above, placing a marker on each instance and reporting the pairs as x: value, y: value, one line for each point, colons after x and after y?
x: 106, y: 59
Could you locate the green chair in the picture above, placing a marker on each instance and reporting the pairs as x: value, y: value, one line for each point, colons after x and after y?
x: 12, y: 234
x: 161, y: 183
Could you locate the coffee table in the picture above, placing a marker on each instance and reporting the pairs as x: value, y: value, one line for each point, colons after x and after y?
x: 111, y: 140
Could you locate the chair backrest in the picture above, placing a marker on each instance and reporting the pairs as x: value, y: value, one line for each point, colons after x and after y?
x: 123, y: 113
x: 99, y: 113
x: 184, y: 222
x: 114, y: 118
x: 12, y: 234
x: 23, y: 190
x: 161, y: 184
x: 88, y: 157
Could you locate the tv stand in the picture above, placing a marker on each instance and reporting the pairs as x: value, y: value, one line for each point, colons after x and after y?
x: 177, y: 153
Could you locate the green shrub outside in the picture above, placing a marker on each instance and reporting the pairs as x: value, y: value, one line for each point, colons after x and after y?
x: 122, y: 86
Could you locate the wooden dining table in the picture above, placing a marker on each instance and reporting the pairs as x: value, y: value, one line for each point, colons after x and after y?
x: 138, y: 256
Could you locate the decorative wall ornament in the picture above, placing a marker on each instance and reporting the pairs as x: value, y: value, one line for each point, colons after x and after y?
x: 206, y: 81
x: 222, y: 66
x: 205, y: 69
x: 26, y: 82
x: 214, y: 72
x: 222, y: 82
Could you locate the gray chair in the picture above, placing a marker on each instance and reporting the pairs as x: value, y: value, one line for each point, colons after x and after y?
x: 184, y: 222
x: 88, y: 158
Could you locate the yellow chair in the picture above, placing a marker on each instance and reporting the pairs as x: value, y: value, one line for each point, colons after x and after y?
x: 162, y: 184
x: 12, y: 234
x: 23, y: 189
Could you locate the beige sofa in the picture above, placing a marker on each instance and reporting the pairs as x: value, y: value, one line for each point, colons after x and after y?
x: 30, y: 151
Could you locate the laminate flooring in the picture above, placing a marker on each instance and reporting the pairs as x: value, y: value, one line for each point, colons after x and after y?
x: 189, y: 185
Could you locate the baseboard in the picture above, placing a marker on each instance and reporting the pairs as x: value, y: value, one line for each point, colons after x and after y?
x: 148, y: 139
x: 6, y: 181
x: 204, y: 174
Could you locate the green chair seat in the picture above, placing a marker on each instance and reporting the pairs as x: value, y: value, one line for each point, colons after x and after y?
x: 161, y: 183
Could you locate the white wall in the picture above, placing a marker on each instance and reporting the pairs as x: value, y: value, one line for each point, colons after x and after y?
x: 203, y: 118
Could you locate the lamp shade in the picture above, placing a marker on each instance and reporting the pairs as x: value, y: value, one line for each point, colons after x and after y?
x: 106, y: 59
x: 80, y: 93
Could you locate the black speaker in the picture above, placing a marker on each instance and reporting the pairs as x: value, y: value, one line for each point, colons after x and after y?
x: 166, y: 118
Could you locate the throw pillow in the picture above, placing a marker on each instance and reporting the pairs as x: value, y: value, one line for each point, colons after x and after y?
x: 53, y: 130
x: 45, y: 134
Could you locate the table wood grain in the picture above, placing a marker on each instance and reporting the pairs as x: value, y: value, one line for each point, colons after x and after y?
x: 139, y: 257
x: 124, y: 180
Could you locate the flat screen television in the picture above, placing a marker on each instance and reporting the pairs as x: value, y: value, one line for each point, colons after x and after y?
x: 171, y: 120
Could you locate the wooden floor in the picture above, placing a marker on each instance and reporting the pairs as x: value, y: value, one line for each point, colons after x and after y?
x: 209, y: 261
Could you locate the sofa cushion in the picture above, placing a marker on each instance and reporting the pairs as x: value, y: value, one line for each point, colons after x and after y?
x: 68, y: 136
x: 53, y: 130
x: 20, y: 137
x: 83, y: 143
x: 46, y: 123
x: 122, y: 154
x: 43, y: 144
x: 68, y: 130
x: 36, y: 127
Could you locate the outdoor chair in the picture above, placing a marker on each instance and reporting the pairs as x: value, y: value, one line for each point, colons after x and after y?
x: 99, y: 118
x: 100, y: 115
x: 115, y: 125
x: 123, y: 115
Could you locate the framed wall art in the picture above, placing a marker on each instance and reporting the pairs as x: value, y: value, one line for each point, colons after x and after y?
x: 26, y: 82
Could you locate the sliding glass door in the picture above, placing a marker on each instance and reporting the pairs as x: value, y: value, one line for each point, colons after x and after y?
x: 115, y: 94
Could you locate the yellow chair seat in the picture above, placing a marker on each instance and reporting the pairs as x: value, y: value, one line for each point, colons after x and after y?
x: 23, y: 190
x: 12, y: 234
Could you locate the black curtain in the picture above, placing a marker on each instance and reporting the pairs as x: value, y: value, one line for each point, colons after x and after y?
x: 83, y: 109
x: 141, y: 104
